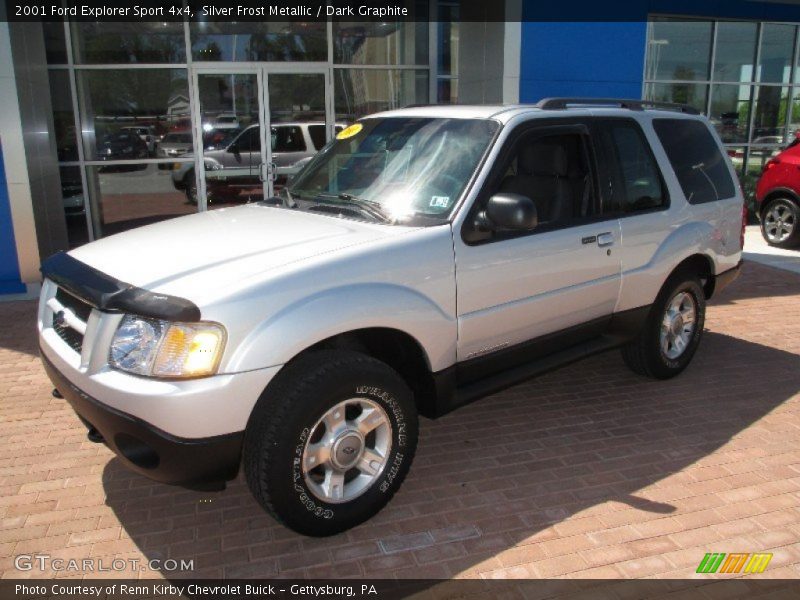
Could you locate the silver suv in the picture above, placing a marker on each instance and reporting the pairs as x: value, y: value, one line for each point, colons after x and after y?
x: 428, y: 257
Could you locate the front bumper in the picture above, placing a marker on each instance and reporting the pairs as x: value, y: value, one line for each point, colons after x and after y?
x: 196, y: 463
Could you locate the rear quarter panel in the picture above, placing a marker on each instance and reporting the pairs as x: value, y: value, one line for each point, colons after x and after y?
x: 654, y: 243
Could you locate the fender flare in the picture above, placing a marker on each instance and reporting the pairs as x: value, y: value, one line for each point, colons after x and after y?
x: 775, y: 193
x: 676, y: 247
x: 300, y: 325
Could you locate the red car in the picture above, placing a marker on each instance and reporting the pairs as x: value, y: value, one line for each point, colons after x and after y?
x: 778, y: 198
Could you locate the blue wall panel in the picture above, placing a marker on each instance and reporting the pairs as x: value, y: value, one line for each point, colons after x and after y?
x: 582, y: 59
x: 9, y: 265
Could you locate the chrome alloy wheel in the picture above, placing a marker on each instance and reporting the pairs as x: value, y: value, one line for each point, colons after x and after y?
x: 347, y: 450
x: 677, y: 326
x: 779, y: 222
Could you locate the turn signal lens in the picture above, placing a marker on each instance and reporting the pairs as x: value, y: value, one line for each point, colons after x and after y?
x: 156, y: 348
x: 190, y: 350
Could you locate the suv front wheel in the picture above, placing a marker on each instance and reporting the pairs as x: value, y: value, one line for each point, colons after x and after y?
x: 330, y: 442
x: 672, y: 331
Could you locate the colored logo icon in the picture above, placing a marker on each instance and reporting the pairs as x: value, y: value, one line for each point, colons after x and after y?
x: 744, y: 562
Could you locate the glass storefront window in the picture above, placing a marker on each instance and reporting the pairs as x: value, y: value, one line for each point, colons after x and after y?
x: 769, y: 121
x: 693, y: 94
x: 448, y: 39
x: 74, y: 202
x: 759, y: 155
x: 679, y: 50
x: 359, y: 92
x: 735, y: 52
x: 777, y: 48
x: 132, y: 90
x: 128, y: 196
x: 296, y: 98
x: 55, y: 43
x: 383, y: 43
x: 752, y: 106
x: 736, y: 154
x: 140, y: 42
x: 730, y: 112
x: 794, y: 117
x: 63, y: 116
x: 127, y: 111
x: 290, y: 41
x: 447, y: 54
x: 447, y: 90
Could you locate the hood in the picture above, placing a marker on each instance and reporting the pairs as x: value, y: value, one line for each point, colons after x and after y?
x: 211, y: 250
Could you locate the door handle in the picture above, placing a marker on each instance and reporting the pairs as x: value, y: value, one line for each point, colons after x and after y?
x: 605, y: 239
x: 266, y: 172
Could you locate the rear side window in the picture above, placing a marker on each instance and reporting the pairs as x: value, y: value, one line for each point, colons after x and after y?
x: 640, y: 178
x: 287, y: 138
x: 701, y: 169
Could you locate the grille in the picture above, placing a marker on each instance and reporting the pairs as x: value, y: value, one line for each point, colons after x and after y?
x: 82, y: 310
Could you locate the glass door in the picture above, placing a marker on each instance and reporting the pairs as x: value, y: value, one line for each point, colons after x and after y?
x: 229, y: 137
x: 256, y: 127
x: 299, y: 122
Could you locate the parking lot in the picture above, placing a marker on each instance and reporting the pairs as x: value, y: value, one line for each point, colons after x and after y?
x: 589, y: 471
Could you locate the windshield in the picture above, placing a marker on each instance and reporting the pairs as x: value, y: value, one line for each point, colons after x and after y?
x: 406, y: 167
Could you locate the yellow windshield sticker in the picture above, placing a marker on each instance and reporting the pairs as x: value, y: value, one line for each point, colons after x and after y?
x: 350, y: 131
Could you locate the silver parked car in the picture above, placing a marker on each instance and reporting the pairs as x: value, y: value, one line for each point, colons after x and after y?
x: 174, y: 145
x: 428, y: 257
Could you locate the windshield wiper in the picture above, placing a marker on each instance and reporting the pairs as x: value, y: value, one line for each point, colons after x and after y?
x: 369, y: 207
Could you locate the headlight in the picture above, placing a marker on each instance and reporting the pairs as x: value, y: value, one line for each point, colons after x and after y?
x: 163, y: 349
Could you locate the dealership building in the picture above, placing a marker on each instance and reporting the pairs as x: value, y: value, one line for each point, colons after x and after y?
x: 105, y: 126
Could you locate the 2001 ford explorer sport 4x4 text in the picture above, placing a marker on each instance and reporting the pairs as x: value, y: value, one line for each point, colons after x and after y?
x: 425, y: 258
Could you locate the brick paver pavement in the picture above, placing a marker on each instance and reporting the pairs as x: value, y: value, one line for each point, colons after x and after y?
x: 589, y: 471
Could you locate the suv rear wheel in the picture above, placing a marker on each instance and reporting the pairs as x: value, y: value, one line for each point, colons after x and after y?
x: 779, y: 223
x: 329, y: 443
x: 672, y: 332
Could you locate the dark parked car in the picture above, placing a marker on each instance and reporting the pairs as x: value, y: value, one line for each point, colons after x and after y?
x: 123, y: 145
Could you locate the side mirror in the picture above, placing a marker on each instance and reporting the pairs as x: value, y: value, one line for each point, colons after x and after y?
x: 507, y: 211
x: 234, y: 148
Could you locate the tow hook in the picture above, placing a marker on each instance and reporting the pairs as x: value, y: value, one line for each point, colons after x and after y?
x: 94, y: 436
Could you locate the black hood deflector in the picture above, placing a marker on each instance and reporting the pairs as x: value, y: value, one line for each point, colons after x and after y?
x: 110, y: 294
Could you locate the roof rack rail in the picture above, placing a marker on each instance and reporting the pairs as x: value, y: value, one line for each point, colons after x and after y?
x: 564, y: 103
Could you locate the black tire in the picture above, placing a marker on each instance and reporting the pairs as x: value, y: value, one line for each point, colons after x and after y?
x: 645, y: 355
x: 780, y: 223
x: 281, y: 425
